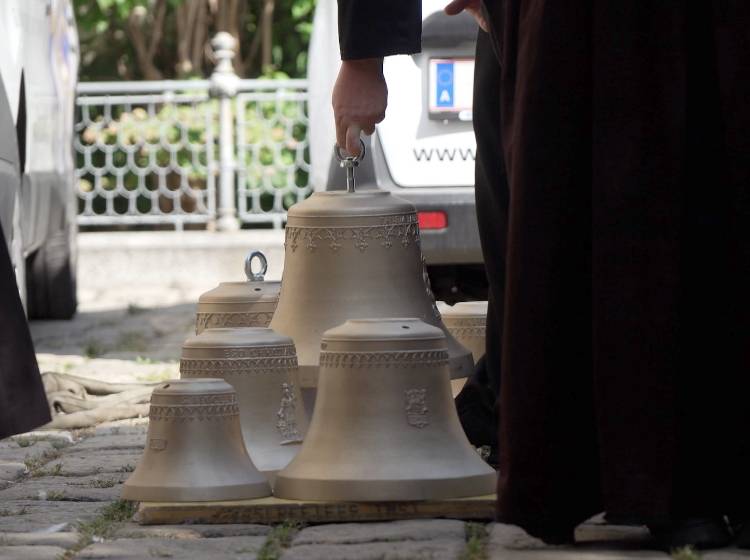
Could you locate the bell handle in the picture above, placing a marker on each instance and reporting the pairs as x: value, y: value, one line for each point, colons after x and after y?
x: 349, y: 163
x: 255, y: 276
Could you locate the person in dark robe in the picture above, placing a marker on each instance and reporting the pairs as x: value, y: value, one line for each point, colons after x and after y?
x: 23, y: 405
x: 616, y: 235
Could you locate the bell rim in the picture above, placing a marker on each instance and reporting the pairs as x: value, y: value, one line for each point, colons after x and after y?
x: 166, y: 493
x: 377, y: 490
x: 273, y: 339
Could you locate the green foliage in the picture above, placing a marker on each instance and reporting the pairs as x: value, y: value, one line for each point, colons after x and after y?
x: 106, y: 30
x: 180, y: 140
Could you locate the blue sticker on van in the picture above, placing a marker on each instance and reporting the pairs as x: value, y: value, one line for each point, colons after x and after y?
x: 444, y: 84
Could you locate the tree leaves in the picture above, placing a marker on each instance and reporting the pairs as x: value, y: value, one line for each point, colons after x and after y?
x: 113, y: 34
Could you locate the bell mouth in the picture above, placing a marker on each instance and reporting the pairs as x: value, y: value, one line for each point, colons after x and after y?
x: 221, y: 338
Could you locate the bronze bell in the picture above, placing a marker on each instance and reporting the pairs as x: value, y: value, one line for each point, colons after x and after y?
x: 351, y: 255
x: 262, y: 366
x: 467, y: 322
x: 239, y: 304
x: 194, y: 450
x: 384, y: 426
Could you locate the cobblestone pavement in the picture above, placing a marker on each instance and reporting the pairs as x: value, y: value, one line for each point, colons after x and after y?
x: 59, y: 491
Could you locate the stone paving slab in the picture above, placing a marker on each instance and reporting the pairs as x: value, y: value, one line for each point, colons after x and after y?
x: 9, y: 472
x: 99, y: 488
x: 61, y: 539
x: 725, y: 554
x: 91, y: 462
x: 118, y: 442
x: 30, y: 552
x: 508, y: 542
x: 354, y: 533
x: 435, y: 549
x: 22, y: 516
x: 12, y: 452
x: 134, y: 531
x: 234, y: 548
x: 132, y: 426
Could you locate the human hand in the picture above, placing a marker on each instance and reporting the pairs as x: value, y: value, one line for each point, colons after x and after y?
x: 360, y: 97
x: 471, y: 6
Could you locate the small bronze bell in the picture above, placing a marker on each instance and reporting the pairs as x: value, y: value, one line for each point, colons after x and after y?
x: 194, y: 450
x: 467, y: 322
x: 350, y: 255
x: 262, y: 366
x: 384, y: 426
x: 239, y: 304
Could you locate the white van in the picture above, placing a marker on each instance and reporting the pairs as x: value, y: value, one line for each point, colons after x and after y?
x: 38, y: 75
x: 424, y: 149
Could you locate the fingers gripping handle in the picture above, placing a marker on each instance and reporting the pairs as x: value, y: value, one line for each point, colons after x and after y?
x: 349, y: 163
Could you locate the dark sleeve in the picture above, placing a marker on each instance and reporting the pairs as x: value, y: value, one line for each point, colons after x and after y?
x: 375, y: 28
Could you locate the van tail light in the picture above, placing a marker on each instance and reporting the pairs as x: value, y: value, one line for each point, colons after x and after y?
x: 432, y: 220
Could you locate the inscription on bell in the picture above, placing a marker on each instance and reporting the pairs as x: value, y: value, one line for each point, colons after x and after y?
x: 287, y: 421
x: 416, y: 407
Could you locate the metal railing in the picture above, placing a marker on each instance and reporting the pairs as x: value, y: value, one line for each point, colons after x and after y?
x: 220, y: 152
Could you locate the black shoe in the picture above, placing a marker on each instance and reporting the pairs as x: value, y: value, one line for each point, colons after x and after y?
x: 556, y: 536
x: 477, y: 412
x: 697, y: 532
x: 743, y: 535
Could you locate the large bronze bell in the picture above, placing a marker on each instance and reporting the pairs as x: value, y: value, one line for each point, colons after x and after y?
x: 262, y: 366
x: 384, y: 426
x: 350, y: 255
x: 467, y: 322
x: 194, y: 450
x: 239, y: 304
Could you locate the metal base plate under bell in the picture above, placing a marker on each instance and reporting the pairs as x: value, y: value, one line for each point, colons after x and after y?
x: 276, y: 510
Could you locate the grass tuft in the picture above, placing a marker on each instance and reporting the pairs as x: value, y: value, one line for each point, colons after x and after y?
x: 56, y: 496
x: 26, y: 441
x: 476, y: 542
x: 103, y: 483
x: 135, y: 309
x: 10, y: 513
x: 93, y: 349
x: 103, y: 526
x: 279, y: 538
x: 132, y: 341
x: 60, y: 444
x: 35, y: 463
x: 686, y: 553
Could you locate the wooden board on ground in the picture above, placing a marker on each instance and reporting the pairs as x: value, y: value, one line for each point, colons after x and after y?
x: 276, y: 510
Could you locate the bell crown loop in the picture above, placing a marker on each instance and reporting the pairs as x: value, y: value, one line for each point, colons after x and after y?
x: 255, y: 276
x: 349, y: 163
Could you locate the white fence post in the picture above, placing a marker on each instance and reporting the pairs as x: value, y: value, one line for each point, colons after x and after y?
x: 224, y: 84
